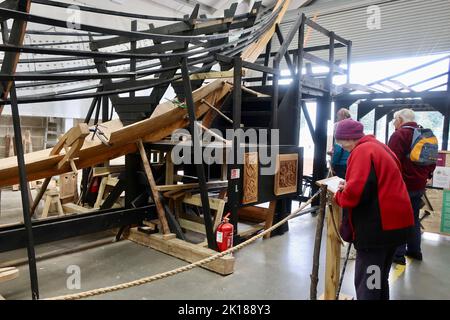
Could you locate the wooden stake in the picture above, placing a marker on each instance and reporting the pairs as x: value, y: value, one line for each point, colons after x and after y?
x: 318, y: 240
x: 152, y: 183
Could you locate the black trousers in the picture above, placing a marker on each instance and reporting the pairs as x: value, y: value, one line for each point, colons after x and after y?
x: 372, y: 268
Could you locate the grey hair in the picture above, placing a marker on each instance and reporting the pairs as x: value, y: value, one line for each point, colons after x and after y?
x: 406, y: 115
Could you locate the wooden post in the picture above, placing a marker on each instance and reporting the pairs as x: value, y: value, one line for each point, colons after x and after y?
x: 169, y: 168
x: 317, y: 243
x: 155, y: 193
x: 333, y: 256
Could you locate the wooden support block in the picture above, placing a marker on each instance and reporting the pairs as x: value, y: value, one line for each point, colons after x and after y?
x: 183, y: 250
x: 246, y: 230
x: 68, y: 187
x: 219, y: 214
x: 7, y: 274
x: 101, y: 192
x: 47, y: 203
x: 74, y: 208
x: 269, y: 218
x: 187, y: 186
x: 79, y: 132
x: 105, y: 171
x: 192, y: 225
x: 71, y: 153
x: 169, y: 168
x: 150, y: 225
x: 52, y: 198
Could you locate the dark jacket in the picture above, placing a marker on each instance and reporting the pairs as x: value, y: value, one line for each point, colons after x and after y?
x: 415, y: 176
x: 379, y: 207
x: 340, y: 156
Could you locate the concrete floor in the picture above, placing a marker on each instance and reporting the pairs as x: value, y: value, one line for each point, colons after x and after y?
x: 277, y: 268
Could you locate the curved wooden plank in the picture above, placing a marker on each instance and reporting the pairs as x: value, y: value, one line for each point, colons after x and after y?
x: 11, y: 59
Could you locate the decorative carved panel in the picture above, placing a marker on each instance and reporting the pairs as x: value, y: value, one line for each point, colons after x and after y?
x: 250, y: 192
x: 286, y: 174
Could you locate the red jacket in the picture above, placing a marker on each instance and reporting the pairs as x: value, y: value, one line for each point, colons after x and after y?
x: 414, y: 176
x: 379, y: 206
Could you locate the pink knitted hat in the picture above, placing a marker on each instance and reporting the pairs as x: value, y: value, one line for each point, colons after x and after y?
x: 349, y: 129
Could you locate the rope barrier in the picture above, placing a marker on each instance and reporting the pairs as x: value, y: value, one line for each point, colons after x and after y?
x: 100, y: 291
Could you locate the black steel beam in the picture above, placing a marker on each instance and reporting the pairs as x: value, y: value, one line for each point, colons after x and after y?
x: 90, y: 28
x: 286, y: 53
x: 13, y: 237
x: 390, y: 95
x: 324, y: 31
x: 28, y: 235
x: 323, y: 110
x: 266, y: 60
x: 233, y: 183
x: 199, y: 166
x: 73, y: 77
x: 106, y: 12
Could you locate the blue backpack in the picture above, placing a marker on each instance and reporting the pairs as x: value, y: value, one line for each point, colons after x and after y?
x: 424, y: 147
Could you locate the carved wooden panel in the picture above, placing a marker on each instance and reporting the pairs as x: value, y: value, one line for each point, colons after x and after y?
x: 286, y: 174
x: 250, y: 192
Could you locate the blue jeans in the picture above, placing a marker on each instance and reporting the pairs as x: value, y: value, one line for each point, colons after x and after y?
x: 413, y: 244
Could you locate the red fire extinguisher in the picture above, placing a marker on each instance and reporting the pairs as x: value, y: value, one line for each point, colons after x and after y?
x: 224, y: 234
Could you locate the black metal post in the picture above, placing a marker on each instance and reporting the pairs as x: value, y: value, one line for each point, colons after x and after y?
x: 375, y: 121
x: 97, y: 111
x: 323, y: 109
x: 276, y: 77
x: 331, y: 62
x: 133, y: 47
x: 445, y: 132
x: 24, y: 193
x: 234, y: 186
x: 266, y: 61
x: 197, y: 146
x: 91, y: 110
x: 389, y: 118
x: 105, y: 109
x: 349, y: 60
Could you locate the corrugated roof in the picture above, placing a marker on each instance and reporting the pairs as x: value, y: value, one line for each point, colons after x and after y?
x: 408, y: 27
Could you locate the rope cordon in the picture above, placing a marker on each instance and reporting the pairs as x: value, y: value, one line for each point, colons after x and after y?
x: 100, y: 291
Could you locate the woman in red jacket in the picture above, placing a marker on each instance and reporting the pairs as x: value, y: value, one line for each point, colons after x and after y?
x: 380, y: 213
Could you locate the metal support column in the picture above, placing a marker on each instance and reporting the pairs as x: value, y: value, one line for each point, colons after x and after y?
x: 323, y: 110
x: 197, y: 146
x: 266, y: 61
x: 24, y: 193
x: 389, y: 118
x: 105, y: 109
x: 133, y: 46
x: 233, y: 184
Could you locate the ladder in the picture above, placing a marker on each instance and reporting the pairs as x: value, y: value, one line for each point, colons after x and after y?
x: 51, y: 133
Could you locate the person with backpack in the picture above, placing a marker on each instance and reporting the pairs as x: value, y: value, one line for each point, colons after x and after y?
x: 380, y: 213
x: 417, y: 149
